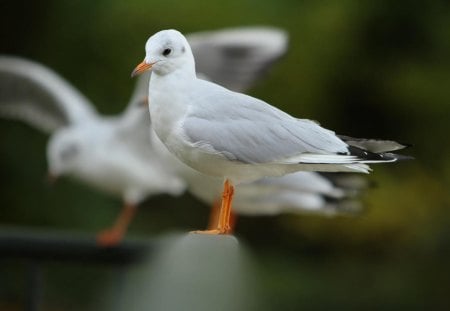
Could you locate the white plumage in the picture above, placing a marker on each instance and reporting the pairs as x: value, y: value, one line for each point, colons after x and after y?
x: 224, y: 133
x: 230, y: 135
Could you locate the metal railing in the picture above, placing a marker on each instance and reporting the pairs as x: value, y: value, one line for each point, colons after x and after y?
x: 38, y: 247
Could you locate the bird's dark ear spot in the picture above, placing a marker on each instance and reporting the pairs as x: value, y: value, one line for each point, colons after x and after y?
x: 183, y: 49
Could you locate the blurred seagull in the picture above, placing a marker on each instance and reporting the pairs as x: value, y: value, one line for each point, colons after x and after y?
x: 237, y: 137
x: 109, y: 153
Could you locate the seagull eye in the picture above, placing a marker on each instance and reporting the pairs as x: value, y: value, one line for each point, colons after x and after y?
x: 166, y: 52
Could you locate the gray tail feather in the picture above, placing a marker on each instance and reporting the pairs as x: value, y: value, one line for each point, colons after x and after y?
x: 349, y: 183
x: 345, y: 207
x: 374, y: 145
x: 375, y: 149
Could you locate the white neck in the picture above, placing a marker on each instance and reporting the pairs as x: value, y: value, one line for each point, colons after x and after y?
x: 167, y: 99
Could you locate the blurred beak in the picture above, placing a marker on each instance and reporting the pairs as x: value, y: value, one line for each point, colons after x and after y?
x: 141, y: 68
x: 51, y: 178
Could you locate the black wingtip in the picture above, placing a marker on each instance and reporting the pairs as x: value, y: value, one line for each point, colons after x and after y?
x: 370, y: 156
x: 382, y: 156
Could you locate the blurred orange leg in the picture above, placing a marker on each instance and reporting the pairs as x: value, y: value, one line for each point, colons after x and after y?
x: 115, y: 234
x: 223, y: 222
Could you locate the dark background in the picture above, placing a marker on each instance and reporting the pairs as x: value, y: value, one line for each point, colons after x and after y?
x: 363, y: 68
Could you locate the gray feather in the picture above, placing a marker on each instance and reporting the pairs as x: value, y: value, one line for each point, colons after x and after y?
x: 33, y: 93
x: 248, y: 130
x: 236, y: 58
x: 373, y: 145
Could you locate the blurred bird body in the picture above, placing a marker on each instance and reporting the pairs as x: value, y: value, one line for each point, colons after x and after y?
x: 109, y: 162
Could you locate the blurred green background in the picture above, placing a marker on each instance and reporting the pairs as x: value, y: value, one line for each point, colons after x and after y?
x: 363, y: 68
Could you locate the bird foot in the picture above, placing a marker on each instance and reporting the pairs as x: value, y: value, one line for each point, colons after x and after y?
x: 212, y: 231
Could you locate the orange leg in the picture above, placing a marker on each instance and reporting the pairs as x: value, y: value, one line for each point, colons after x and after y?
x: 223, y: 222
x: 214, y: 217
x: 115, y: 234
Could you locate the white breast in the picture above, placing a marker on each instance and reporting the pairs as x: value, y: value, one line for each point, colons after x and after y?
x: 166, y: 104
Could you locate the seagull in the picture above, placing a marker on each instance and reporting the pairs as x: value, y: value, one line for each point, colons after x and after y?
x: 237, y: 137
x: 107, y: 152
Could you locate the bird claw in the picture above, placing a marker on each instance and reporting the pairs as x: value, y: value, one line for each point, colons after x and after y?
x: 211, y: 232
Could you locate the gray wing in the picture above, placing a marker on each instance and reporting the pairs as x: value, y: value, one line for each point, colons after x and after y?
x: 302, y: 192
x: 373, y: 145
x: 236, y: 57
x: 134, y: 127
x: 248, y: 130
x: 35, y: 94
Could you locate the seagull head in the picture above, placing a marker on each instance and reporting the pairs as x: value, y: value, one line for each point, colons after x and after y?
x: 165, y: 52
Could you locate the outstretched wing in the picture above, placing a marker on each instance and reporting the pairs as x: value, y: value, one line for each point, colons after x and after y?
x: 300, y: 192
x: 35, y: 94
x: 237, y: 57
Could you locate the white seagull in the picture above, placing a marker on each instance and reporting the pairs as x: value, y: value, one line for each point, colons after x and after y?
x: 237, y: 137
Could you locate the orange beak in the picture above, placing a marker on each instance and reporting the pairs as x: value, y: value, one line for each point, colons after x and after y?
x: 141, y: 68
